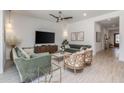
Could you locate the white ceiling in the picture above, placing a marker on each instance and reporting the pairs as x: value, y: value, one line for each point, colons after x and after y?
x: 76, y: 14
x: 110, y: 23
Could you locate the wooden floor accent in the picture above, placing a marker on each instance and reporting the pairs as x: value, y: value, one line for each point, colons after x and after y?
x: 105, y: 69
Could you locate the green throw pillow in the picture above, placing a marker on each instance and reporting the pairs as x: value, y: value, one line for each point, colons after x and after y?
x: 19, y: 53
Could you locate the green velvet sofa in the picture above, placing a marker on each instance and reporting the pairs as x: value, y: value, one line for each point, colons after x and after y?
x: 29, y: 67
x: 75, y: 47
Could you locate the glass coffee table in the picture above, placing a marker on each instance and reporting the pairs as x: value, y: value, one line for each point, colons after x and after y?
x: 49, y: 74
x: 60, y: 55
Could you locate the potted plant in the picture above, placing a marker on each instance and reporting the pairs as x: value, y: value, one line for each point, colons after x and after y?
x: 65, y: 42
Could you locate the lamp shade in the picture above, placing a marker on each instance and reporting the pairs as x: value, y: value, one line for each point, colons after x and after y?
x: 65, y: 34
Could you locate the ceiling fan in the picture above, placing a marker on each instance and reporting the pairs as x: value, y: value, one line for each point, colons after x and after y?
x: 60, y: 17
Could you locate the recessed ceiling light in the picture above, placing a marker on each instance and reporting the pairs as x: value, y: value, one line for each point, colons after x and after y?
x: 84, y: 14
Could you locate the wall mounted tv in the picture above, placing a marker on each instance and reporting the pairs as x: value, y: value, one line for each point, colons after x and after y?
x: 44, y: 37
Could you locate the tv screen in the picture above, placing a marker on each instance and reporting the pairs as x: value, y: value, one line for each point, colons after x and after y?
x: 44, y: 37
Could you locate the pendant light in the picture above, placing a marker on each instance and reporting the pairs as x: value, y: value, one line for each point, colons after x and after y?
x: 9, y: 20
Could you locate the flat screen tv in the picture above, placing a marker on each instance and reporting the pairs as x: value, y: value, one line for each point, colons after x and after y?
x: 44, y: 37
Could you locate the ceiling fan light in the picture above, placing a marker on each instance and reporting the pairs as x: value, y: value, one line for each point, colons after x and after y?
x: 60, y: 17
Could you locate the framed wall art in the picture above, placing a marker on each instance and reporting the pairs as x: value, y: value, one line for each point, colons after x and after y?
x: 80, y: 36
x: 77, y: 36
x: 73, y: 36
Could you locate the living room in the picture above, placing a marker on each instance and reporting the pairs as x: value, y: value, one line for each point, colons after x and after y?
x: 98, y: 23
x: 25, y: 23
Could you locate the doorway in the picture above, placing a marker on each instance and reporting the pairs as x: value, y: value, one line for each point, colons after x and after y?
x: 109, y: 38
x: 116, y: 40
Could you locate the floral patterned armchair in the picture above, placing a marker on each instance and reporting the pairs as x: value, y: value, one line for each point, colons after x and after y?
x: 88, y: 56
x: 74, y: 61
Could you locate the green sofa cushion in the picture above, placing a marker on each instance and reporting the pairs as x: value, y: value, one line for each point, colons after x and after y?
x: 71, y: 50
x: 75, y: 47
x: 79, y: 46
x: 39, y: 54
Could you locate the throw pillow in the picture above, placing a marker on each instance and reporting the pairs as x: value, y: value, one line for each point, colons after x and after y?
x: 67, y: 46
x: 82, y: 48
x: 82, y: 51
x: 29, y: 51
x: 18, y: 52
x: 24, y: 53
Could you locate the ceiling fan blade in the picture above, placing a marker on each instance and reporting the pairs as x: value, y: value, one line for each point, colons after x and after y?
x: 68, y: 18
x: 59, y: 20
x: 53, y: 15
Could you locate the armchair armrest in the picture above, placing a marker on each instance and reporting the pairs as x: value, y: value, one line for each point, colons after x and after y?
x: 28, y: 68
x: 42, y: 61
